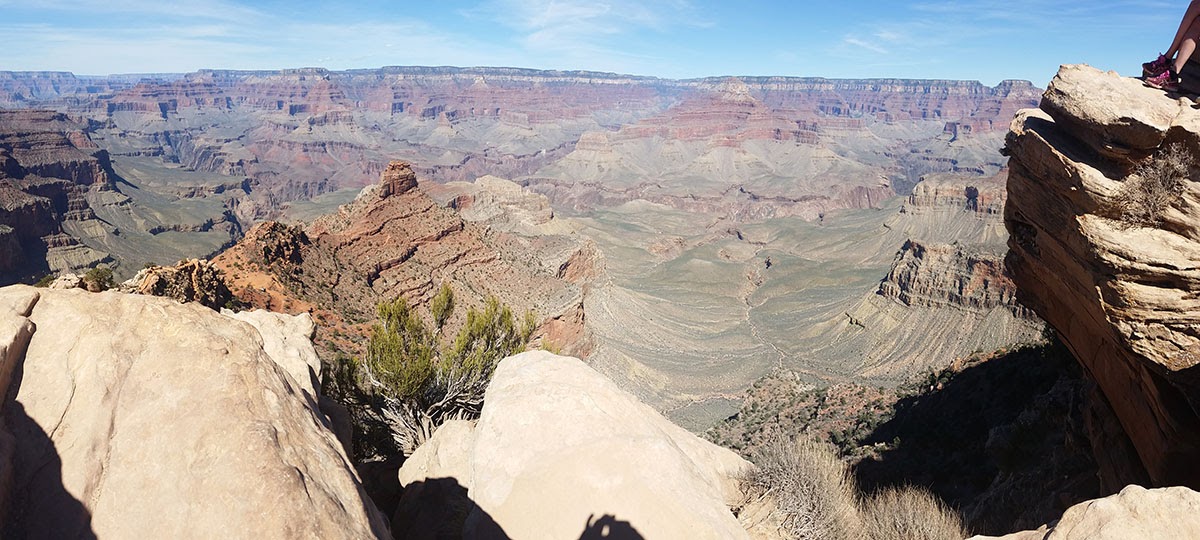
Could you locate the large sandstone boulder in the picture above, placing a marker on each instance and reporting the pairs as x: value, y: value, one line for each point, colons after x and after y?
x: 560, y: 450
x: 140, y: 417
x: 1146, y: 514
x: 287, y: 339
x: 1124, y: 299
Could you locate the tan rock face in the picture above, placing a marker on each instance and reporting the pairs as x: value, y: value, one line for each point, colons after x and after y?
x: 139, y: 417
x: 1123, y: 299
x: 559, y: 437
x: 1135, y: 512
x: 287, y: 340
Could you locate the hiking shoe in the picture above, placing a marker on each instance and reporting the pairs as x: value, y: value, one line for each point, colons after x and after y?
x: 1164, y: 81
x: 1156, y: 67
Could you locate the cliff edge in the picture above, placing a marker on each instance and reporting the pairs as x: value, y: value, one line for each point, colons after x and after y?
x: 1124, y: 298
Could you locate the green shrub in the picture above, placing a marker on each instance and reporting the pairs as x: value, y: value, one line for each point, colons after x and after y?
x: 441, y: 306
x: 99, y: 279
x: 424, y: 383
x: 45, y: 281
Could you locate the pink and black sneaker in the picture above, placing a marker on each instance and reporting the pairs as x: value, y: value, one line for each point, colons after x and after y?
x: 1156, y: 67
x: 1167, y: 80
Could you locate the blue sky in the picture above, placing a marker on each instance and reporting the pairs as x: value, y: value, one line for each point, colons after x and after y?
x: 981, y: 40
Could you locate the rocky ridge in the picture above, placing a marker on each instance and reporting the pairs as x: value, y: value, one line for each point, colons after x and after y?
x: 396, y: 241
x: 193, y: 280
x: 1122, y: 297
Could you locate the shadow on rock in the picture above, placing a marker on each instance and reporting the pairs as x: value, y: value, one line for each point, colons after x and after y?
x: 609, y: 527
x: 1004, y: 441
x: 39, y: 504
x: 439, y: 508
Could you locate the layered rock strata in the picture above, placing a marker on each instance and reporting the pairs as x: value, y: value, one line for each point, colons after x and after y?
x: 980, y: 195
x: 300, y: 133
x: 1123, y: 298
x: 140, y: 417
x: 396, y: 241
x: 47, y: 166
x: 558, y: 437
x: 942, y: 275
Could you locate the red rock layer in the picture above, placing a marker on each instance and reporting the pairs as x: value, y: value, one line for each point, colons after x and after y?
x: 395, y: 241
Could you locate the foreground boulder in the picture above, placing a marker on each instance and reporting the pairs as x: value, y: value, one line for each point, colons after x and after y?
x: 1135, y: 512
x: 1123, y: 298
x: 560, y: 451
x: 139, y: 417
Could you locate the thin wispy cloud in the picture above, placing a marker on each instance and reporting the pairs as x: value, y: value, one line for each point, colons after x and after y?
x: 601, y: 35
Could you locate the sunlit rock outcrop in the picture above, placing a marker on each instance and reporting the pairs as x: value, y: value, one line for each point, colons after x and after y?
x: 1124, y: 298
x: 140, y: 417
x: 558, y: 449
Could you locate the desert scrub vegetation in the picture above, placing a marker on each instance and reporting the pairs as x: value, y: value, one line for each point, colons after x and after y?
x: 1153, y: 186
x: 425, y: 379
x: 815, y: 497
x: 99, y: 279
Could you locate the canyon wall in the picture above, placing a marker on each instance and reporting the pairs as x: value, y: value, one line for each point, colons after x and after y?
x: 586, y: 137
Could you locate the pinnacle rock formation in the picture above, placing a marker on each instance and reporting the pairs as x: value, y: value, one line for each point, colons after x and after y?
x: 397, y: 179
x: 559, y: 449
x: 1122, y: 297
x: 131, y: 416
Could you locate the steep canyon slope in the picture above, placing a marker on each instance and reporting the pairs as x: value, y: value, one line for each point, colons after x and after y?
x: 689, y: 316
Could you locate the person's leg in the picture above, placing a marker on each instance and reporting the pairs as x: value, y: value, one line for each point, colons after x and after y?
x: 1187, y: 45
x: 1189, y: 17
